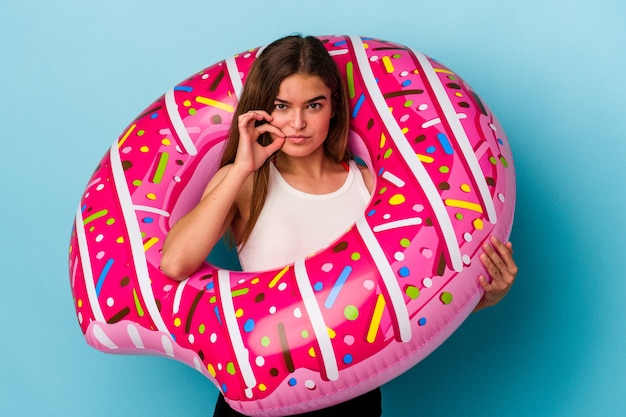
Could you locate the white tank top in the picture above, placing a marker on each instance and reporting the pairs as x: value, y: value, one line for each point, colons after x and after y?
x: 294, y: 224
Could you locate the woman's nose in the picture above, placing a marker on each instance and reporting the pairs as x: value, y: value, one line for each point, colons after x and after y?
x: 298, y: 120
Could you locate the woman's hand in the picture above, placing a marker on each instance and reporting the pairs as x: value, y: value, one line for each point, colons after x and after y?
x: 251, y: 155
x: 498, y: 259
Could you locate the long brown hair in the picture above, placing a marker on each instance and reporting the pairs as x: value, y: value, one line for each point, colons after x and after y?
x: 280, y: 59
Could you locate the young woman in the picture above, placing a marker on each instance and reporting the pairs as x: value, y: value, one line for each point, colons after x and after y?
x: 287, y: 185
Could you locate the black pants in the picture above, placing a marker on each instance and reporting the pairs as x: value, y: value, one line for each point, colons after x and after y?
x: 367, y: 405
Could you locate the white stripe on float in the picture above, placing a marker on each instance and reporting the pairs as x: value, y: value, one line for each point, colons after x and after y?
x: 166, y: 343
x: 392, y: 178
x: 171, y: 108
x: 134, y: 239
x: 317, y: 320
x: 135, y: 337
x: 408, y: 155
x: 102, y: 337
x: 153, y: 210
x: 389, y: 279
x: 242, y: 355
x: 83, y: 249
x: 233, y: 73
x: 411, y: 221
x: 178, y: 295
x: 338, y: 52
x: 459, y: 134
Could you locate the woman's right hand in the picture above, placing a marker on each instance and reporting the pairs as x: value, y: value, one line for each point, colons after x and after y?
x: 251, y: 155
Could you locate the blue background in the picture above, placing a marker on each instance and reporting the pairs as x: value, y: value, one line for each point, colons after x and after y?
x: 73, y: 74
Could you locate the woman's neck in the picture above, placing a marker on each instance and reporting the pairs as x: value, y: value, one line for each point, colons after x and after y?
x: 315, y: 174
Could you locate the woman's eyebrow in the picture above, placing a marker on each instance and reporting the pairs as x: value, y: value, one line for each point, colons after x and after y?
x: 313, y: 100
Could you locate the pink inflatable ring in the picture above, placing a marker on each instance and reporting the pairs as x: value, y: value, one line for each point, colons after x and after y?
x: 342, y: 321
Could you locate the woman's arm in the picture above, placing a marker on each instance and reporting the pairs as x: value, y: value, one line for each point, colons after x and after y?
x: 192, y: 238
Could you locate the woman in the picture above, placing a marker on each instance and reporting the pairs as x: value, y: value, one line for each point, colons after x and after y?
x: 286, y: 165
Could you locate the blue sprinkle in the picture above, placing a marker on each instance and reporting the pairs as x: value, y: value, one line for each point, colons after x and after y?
x: 340, y: 43
x: 292, y: 382
x: 184, y: 88
x: 337, y: 286
x: 406, y: 83
x: 248, y: 326
x: 224, y: 388
x: 147, y: 220
x: 83, y: 208
x: 103, y: 275
x: 380, y: 171
x: 422, y: 321
x: 445, y: 143
x: 210, y: 285
x: 217, y: 314
x: 371, y: 213
x: 404, y: 271
x: 358, y: 105
x: 318, y: 286
x: 431, y: 149
x: 154, y: 115
x: 347, y: 359
x: 500, y: 141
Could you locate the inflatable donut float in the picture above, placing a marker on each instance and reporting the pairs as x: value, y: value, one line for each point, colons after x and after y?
x: 342, y: 321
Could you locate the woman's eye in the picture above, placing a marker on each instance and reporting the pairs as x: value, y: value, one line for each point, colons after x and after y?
x: 280, y: 106
x: 315, y: 106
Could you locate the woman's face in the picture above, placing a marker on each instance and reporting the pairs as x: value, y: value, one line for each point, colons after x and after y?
x: 302, y: 110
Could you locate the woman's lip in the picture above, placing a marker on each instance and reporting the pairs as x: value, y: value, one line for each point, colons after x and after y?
x: 297, y: 139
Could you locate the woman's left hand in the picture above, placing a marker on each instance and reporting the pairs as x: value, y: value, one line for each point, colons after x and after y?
x: 498, y: 259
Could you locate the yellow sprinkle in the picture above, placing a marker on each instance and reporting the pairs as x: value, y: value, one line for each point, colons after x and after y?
x: 239, y: 313
x: 120, y: 239
x: 150, y: 243
x: 262, y: 387
x: 126, y: 135
x: 388, y: 64
x: 478, y: 224
x: 383, y: 140
x: 463, y: 204
x: 144, y: 149
x: 425, y: 158
x: 466, y: 188
x: 445, y: 71
x: 397, y: 200
x: 331, y: 333
x: 80, y: 303
x: 166, y: 142
x: 187, y: 103
x: 215, y: 103
x: 255, y: 281
x: 376, y: 318
x: 151, y: 196
x: 278, y: 277
x: 211, y: 370
x: 312, y: 352
x: 177, y: 322
x: 405, y: 130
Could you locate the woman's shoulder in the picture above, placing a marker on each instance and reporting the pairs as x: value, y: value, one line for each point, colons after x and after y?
x: 368, y: 179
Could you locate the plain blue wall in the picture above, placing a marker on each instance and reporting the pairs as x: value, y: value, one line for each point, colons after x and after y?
x: 73, y: 74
